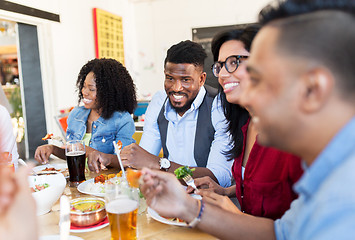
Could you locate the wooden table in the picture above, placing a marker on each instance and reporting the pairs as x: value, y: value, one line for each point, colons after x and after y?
x: 147, y: 227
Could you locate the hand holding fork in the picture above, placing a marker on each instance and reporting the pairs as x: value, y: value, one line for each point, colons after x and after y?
x: 189, y: 181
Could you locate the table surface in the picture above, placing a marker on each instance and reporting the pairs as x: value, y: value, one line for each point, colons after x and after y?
x: 147, y: 227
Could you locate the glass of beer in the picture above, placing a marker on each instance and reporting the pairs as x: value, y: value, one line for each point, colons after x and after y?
x: 122, y: 207
x: 75, y: 154
x: 6, y: 160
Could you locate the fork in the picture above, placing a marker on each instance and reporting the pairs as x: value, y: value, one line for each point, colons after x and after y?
x: 189, y: 181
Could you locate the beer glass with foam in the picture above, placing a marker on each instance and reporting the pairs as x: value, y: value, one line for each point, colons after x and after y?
x: 121, y: 207
x: 75, y: 154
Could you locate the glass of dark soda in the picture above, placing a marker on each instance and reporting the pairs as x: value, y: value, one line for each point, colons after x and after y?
x: 75, y: 154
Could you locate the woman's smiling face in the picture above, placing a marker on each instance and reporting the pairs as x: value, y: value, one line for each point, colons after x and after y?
x: 89, y: 92
x: 232, y: 82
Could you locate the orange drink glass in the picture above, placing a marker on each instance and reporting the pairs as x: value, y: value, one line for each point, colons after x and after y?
x: 122, y: 207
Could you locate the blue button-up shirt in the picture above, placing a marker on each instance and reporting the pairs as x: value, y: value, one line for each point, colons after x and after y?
x: 181, y: 135
x: 104, y: 131
x: 325, y: 208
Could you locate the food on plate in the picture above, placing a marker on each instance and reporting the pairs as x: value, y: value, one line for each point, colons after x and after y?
x: 53, y: 170
x: 103, y: 177
x: 98, y: 185
x: 50, y: 169
x: 174, y: 219
x: 39, y: 187
x: 93, y: 187
x: 100, y: 179
x: 47, y: 173
x: 48, y: 136
x: 112, y: 175
x: 183, y: 171
x: 133, y: 177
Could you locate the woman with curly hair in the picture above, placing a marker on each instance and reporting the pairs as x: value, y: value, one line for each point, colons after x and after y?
x: 108, y: 93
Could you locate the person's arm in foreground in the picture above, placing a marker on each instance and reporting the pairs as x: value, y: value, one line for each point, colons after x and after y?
x: 17, y: 206
x: 166, y: 196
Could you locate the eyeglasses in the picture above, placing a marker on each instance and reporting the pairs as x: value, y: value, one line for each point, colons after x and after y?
x: 231, y: 64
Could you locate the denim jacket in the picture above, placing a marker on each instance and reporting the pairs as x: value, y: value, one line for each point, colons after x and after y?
x: 104, y: 131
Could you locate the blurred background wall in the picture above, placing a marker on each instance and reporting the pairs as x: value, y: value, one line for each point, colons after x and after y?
x: 150, y: 27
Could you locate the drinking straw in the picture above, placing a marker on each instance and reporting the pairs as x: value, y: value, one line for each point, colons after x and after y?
x: 118, y: 151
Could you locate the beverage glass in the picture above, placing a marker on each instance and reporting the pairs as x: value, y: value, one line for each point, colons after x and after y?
x: 6, y: 160
x: 75, y: 154
x: 121, y: 207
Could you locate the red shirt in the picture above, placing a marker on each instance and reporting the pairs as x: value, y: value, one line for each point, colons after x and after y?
x: 268, y: 179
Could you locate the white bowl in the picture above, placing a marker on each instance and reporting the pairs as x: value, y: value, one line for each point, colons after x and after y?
x: 47, y: 197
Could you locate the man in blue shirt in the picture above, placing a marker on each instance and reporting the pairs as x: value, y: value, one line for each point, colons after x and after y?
x: 184, y: 120
x: 301, y: 93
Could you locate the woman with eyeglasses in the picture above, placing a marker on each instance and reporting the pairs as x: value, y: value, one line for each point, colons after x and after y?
x: 263, y: 176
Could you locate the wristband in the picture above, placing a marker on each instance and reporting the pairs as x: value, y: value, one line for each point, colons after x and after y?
x: 197, y: 219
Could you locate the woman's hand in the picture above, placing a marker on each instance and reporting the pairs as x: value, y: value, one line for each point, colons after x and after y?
x: 207, y: 184
x: 218, y: 200
x: 43, y: 152
x: 98, y: 161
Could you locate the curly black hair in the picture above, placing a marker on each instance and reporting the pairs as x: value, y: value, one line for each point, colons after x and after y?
x: 115, y: 88
x: 186, y: 52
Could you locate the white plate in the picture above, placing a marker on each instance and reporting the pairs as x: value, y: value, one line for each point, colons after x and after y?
x: 89, y: 229
x: 61, y: 167
x: 196, y: 196
x: 159, y: 218
x: 84, y: 185
x: 57, y: 237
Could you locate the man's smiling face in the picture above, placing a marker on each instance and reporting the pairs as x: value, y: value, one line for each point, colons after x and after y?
x: 182, y: 84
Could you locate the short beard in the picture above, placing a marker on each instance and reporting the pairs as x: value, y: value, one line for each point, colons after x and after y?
x: 184, y: 108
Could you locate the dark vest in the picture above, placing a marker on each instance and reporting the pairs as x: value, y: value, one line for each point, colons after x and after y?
x: 204, y: 130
